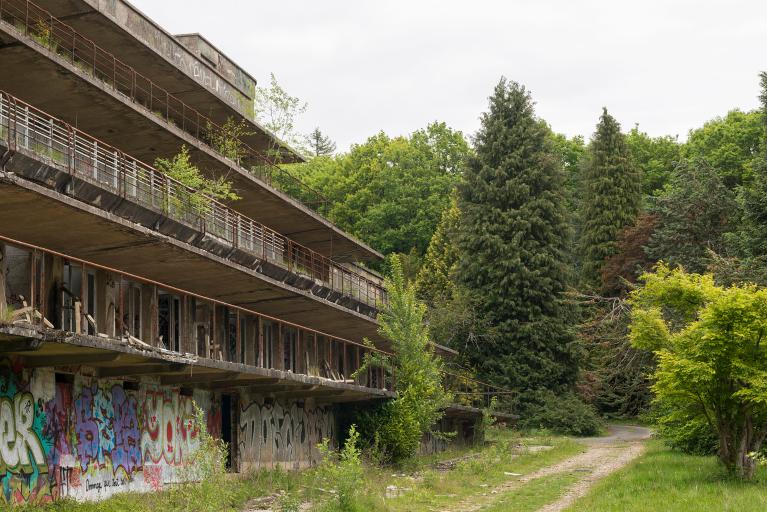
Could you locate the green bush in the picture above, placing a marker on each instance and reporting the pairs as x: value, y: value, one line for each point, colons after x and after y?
x: 343, y: 473
x: 564, y: 413
x: 684, y: 430
x: 395, y: 429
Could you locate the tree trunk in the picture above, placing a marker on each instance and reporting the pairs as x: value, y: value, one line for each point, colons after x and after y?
x: 736, y: 443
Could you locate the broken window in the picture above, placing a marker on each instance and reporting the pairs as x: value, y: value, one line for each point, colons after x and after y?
x: 169, y: 321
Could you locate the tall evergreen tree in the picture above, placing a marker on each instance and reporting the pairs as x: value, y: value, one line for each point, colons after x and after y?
x: 611, y: 197
x: 320, y: 144
x: 511, y: 238
x: 754, y: 197
x: 435, y: 277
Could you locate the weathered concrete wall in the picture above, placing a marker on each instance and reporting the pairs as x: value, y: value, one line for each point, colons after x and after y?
x: 237, y: 88
x: 87, y: 438
x: 461, y: 431
x: 274, y: 433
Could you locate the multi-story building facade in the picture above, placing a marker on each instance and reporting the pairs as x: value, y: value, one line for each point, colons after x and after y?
x: 123, y: 302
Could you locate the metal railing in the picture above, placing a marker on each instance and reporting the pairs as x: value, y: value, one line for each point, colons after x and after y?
x: 325, y: 355
x: 57, y: 36
x: 102, y: 165
x: 471, y: 392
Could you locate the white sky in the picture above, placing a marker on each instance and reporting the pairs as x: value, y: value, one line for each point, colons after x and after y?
x: 396, y: 65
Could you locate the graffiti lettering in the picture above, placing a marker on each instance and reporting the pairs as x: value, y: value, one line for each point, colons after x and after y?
x: 18, y: 441
x: 272, y: 434
x: 170, y: 433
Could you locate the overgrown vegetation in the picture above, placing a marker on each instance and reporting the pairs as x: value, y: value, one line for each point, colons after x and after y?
x: 228, y: 138
x: 181, y: 169
x: 710, y: 363
x: 342, y: 472
x: 564, y: 413
x: 394, y: 430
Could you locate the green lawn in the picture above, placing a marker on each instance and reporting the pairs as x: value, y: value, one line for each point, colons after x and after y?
x: 664, y: 480
x: 535, y: 494
x: 428, y: 488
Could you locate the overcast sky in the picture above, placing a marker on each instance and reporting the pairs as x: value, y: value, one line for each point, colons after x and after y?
x: 365, y: 66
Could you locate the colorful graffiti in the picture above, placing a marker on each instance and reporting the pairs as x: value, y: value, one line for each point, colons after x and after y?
x: 170, y: 434
x: 88, y: 438
x: 271, y: 434
x: 23, y: 445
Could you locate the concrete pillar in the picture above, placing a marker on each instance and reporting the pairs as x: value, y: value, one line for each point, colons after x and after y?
x: 3, y: 292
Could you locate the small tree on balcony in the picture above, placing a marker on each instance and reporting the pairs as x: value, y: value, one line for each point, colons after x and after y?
x: 181, y: 169
x: 228, y: 138
x: 396, y: 428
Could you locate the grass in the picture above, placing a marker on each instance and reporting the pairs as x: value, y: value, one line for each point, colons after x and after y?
x: 666, y: 480
x: 429, y: 489
x: 535, y: 494
x: 432, y: 489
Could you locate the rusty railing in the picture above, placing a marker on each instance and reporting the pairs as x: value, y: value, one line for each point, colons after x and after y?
x: 97, y: 163
x: 50, y: 32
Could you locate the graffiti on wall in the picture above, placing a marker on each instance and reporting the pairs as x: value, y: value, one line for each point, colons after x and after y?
x: 272, y: 433
x: 23, y: 445
x: 89, y: 438
x: 170, y: 434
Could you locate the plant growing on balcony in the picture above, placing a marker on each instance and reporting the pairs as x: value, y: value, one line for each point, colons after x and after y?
x: 41, y: 32
x: 227, y: 139
x: 198, y: 199
x: 396, y: 428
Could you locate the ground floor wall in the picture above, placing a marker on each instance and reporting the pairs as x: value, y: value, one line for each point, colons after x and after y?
x: 452, y: 431
x: 74, y: 435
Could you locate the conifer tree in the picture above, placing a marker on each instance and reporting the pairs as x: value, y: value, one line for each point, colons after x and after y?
x: 434, y: 282
x: 511, y: 240
x: 754, y: 197
x: 320, y: 144
x: 611, y: 197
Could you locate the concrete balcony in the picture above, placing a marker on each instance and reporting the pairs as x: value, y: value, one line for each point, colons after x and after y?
x: 98, y: 203
x: 189, y: 66
x: 65, y: 73
x: 124, y: 325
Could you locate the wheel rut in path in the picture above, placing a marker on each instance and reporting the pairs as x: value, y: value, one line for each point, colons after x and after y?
x: 603, y: 456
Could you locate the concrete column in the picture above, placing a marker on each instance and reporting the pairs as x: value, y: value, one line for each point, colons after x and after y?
x: 3, y: 292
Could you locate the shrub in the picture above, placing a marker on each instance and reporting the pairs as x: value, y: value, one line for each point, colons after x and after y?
x: 396, y: 428
x: 693, y: 436
x: 181, y: 169
x: 564, y: 413
x: 227, y: 139
x: 204, y: 487
x: 343, y: 472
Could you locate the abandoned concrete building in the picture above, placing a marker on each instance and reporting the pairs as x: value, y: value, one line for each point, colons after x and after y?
x: 121, y: 305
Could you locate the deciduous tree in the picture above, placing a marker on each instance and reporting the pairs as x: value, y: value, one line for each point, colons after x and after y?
x: 708, y: 341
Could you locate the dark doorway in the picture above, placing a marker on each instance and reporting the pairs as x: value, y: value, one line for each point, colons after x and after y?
x: 227, y: 403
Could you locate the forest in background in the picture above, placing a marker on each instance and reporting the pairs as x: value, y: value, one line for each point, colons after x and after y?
x: 524, y: 243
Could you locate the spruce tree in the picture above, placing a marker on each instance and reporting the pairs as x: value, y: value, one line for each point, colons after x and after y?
x: 434, y: 283
x: 511, y: 239
x: 320, y: 144
x: 754, y: 196
x: 611, y: 197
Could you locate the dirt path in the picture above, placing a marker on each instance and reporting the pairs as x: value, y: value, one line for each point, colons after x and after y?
x: 603, y: 456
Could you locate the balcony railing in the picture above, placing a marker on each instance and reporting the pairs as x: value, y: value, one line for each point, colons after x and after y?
x: 90, y: 160
x: 210, y: 329
x: 57, y: 36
